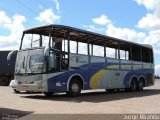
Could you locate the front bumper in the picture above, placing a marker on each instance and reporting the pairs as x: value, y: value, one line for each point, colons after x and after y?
x: 30, y: 87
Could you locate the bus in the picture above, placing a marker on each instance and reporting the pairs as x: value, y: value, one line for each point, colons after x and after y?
x: 59, y: 58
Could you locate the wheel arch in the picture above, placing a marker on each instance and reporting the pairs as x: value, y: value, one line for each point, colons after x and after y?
x: 133, y: 77
x: 79, y: 77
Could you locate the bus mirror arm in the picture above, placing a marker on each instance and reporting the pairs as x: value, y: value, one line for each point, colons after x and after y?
x: 10, y: 55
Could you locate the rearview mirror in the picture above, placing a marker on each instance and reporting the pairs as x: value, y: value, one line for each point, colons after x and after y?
x: 10, y: 55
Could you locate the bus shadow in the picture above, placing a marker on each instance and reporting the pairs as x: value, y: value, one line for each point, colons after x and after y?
x: 12, y: 114
x: 97, y: 96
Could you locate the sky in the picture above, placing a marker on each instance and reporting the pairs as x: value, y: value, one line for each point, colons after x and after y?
x: 132, y: 20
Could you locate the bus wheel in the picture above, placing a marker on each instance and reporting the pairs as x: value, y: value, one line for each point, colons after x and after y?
x: 133, y: 85
x: 140, y: 85
x: 16, y: 91
x: 74, y: 88
x: 110, y: 90
x: 4, y: 81
x: 48, y: 94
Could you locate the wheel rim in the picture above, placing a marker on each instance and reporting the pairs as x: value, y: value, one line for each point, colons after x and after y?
x: 140, y: 84
x: 75, y: 87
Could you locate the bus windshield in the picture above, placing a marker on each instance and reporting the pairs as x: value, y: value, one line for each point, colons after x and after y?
x: 31, y: 61
x: 34, y: 40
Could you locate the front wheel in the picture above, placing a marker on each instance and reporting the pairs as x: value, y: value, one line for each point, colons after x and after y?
x: 16, y: 91
x: 74, y: 88
x: 48, y: 94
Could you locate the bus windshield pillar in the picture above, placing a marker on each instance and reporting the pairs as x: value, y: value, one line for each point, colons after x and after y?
x: 40, y: 41
x: 21, y: 42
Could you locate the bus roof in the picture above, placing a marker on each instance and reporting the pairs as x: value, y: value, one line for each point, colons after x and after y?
x: 60, y: 31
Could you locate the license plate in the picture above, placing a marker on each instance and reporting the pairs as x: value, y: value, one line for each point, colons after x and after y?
x: 25, y: 88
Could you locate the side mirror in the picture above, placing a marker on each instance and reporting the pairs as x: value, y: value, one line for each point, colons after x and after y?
x: 9, y: 56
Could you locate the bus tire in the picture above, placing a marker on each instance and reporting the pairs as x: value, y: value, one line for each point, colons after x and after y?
x: 16, y: 91
x: 48, y: 94
x: 133, y: 85
x: 4, y: 81
x: 74, y: 88
x: 140, y: 85
x: 110, y: 90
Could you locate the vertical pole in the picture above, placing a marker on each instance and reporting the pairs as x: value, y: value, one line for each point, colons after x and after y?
x: 105, y: 49
x: 31, y: 40
x: 116, y: 53
x: 40, y: 42
x: 130, y: 54
x: 92, y: 49
x: 77, y: 47
x: 105, y: 55
x: 119, y: 56
x: 141, y: 57
x: 88, y: 45
x: 89, y: 57
x: 68, y: 37
x: 64, y: 37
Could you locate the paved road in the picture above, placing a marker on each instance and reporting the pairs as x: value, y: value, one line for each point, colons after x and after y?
x: 90, y: 102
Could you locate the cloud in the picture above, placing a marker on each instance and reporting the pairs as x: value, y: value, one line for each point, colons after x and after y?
x: 57, y: 4
x: 15, y: 26
x: 125, y: 33
x: 102, y: 20
x: 149, y: 4
x: 93, y: 28
x: 122, y: 33
x: 152, y: 5
x: 153, y: 38
x: 151, y: 23
x: 48, y: 16
x: 4, y: 19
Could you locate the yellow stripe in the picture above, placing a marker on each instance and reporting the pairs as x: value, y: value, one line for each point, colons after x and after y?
x: 113, y: 67
x: 95, y: 78
x: 98, y: 76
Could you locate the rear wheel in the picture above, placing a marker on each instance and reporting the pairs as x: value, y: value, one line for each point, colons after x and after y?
x: 140, y: 85
x: 133, y: 85
x: 110, y: 90
x: 74, y: 88
x: 4, y: 81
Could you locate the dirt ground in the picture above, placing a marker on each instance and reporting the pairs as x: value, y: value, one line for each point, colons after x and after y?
x: 90, y: 102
